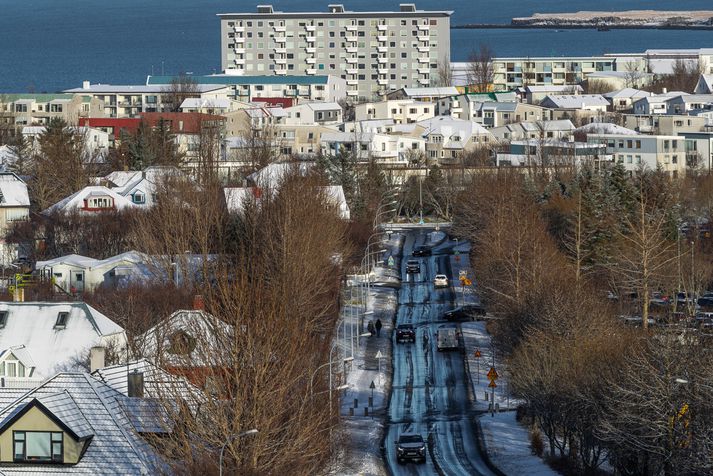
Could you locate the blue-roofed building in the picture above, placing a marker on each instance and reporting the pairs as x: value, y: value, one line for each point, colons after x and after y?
x: 324, y: 88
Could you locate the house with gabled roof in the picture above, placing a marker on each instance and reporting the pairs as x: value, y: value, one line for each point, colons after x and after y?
x: 74, y: 423
x: 188, y: 343
x: 91, y: 200
x: 47, y: 337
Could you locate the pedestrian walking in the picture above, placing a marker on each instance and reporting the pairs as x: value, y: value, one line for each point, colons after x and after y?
x: 378, y: 328
x: 370, y: 328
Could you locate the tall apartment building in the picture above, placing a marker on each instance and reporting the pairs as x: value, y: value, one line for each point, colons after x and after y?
x: 375, y: 52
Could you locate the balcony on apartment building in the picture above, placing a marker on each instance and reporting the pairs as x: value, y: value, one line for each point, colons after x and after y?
x: 382, y: 27
x: 382, y: 49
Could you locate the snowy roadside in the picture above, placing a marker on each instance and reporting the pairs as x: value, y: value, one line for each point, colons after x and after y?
x: 507, y: 442
x: 362, y: 432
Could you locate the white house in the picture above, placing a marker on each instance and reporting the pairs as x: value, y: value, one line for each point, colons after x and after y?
x: 236, y: 198
x: 535, y: 94
x: 401, y: 111
x: 313, y: 113
x: 690, y: 102
x: 142, y: 186
x: 55, y: 336
x: 649, y: 151
x: 576, y: 102
x: 96, y: 141
x: 91, y: 200
x: 14, y: 206
x: 704, y: 85
x: 655, y: 104
x: 623, y: 99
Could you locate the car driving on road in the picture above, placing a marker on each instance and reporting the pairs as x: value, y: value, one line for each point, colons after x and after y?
x: 446, y: 339
x: 410, y: 447
x: 467, y: 312
x: 421, y: 251
x: 405, y: 333
x: 412, y: 266
x: 440, y: 281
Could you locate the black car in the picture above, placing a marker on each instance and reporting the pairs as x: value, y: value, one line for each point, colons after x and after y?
x: 410, y: 447
x: 467, y: 312
x: 421, y: 251
x: 412, y: 266
x: 405, y: 333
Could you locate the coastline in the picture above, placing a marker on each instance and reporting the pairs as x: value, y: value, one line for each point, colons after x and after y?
x: 570, y: 26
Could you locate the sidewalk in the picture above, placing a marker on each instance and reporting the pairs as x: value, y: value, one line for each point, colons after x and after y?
x: 362, y: 434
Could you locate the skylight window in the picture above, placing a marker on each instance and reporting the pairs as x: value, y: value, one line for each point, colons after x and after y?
x: 3, y: 318
x: 62, y: 318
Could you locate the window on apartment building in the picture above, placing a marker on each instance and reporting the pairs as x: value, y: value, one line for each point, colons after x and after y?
x: 621, y: 144
x: 629, y: 159
x: 638, y: 159
x: 638, y: 144
x: 674, y: 144
x: 629, y: 144
x: 674, y: 159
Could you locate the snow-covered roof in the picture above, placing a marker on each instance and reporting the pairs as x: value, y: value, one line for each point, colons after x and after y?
x: 7, y: 156
x: 322, y: 106
x: 430, y: 92
x: 553, y: 88
x: 204, y: 103
x: 52, y: 347
x: 158, y: 383
x: 705, y: 84
x: 273, y: 174
x: 558, y: 125
x: 21, y: 354
x: 449, y: 127
x: 574, y: 101
x: 204, y: 330
x: 236, y: 197
x: 13, y: 191
x: 128, y: 183
x: 605, y: 128
x: 629, y: 93
x: 89, y: 408
x: 347, y: 137
x: 76, y: 201
x: 693, y: 98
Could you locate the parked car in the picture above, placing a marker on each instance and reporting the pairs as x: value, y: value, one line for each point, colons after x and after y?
x: 467, y: 312
x: 446, y: 339
x: 440, y: 281
x: 413, y: 266
x: 410, y: 447
x: 421, y: 251
x: 405, y: 333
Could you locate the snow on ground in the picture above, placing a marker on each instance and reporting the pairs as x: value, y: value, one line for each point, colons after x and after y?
x: 362, y: 434
x: 508, y: 445
x: 507, y: 442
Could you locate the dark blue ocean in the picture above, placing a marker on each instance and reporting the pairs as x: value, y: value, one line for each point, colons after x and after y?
x: 49, y: 45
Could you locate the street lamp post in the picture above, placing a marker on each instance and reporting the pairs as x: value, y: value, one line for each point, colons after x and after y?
x: 227, y: 442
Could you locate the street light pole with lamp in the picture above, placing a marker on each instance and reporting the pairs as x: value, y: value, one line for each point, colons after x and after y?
x: 227, y: 442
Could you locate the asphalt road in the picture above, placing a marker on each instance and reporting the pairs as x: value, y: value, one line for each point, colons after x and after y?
x: 429, y: 388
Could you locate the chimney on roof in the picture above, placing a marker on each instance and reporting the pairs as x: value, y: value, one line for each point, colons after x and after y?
x: 96, y: 358
x: 664, y: 90
x: 198, y: 303
x: 86, y: 84
x: 135, y: 384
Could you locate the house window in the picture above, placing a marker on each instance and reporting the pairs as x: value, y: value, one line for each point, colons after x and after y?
x: 62, y: 317
x: 3, y: 318
x: 38, y: 446
x: 139, y: 198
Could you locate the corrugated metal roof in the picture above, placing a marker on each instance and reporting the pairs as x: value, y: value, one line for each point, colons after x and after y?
x: 115, y: 448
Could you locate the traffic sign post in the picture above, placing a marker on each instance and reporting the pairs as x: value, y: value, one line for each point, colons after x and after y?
x: 379, y: 356
x: 477, y: 362
x: 492, y: 376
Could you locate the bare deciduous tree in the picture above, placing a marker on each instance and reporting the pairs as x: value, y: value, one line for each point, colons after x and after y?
x: 480, y: 68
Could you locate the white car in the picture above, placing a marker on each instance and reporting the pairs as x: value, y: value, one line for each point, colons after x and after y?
x: 440, y: 281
